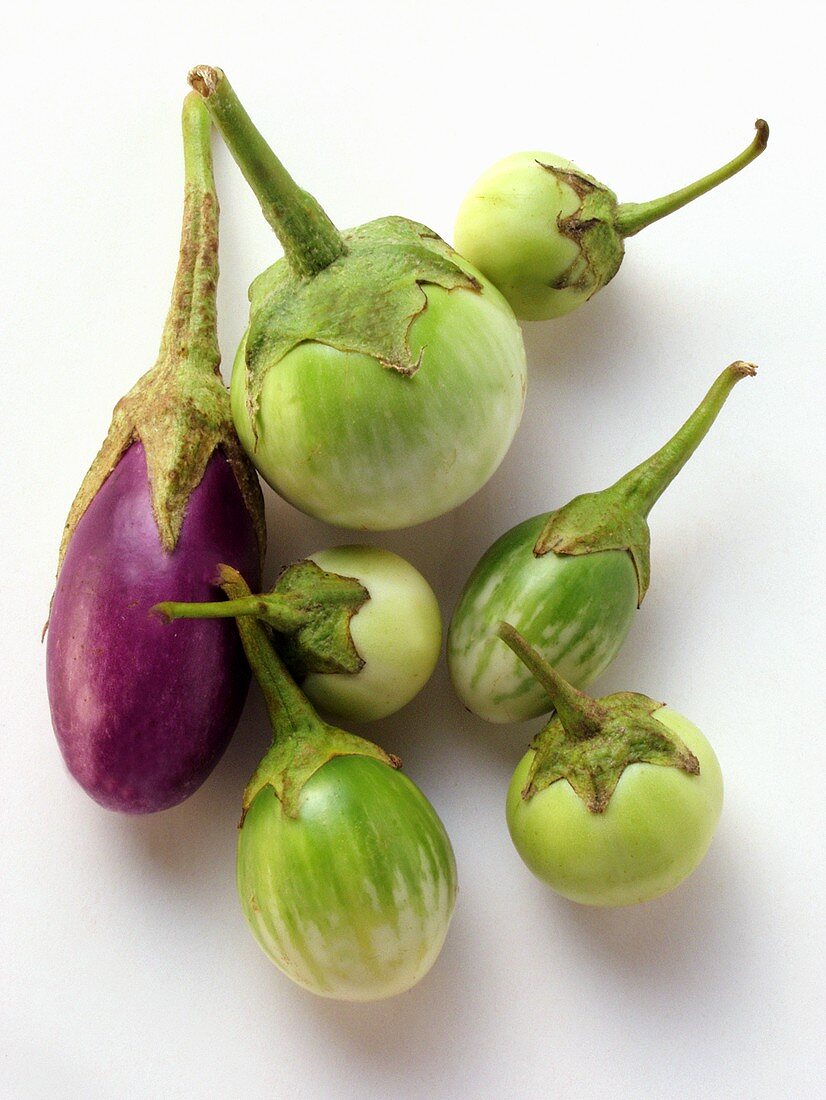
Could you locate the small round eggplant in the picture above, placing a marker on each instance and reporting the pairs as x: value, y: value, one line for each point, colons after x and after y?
x: 617, y: 799
x: 549, y: 236
x: 358, y: 627
x: 142, y: 713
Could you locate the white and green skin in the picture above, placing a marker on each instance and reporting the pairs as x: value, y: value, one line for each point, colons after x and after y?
x: 345, y: 873
x: 382, y: 378
x: 358, y: 626
x: 569, y: 581
x: 397, y: 633
x: 549, y: 236
x: 617, y: 799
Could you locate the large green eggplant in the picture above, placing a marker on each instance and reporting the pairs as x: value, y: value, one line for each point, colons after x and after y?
x: 381, y: 379
x: 569, y: 581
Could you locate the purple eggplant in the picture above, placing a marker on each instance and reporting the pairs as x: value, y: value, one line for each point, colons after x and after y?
x: 142, y: 712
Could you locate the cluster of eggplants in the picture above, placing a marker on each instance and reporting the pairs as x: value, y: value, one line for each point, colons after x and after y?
x: 142, y: 713
x: 379, y: 384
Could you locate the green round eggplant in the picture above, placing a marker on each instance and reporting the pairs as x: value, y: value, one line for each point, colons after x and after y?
x: 576, y: 610
x: 381, y: 379
x: 352, y: 897
x: 358, y: 445
x: 653, y: 833
x: 397, y: 633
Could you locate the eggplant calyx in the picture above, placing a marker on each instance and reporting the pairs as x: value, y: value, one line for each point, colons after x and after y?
x: 590, y: 742
x: 629, y: 734
x: 181, y: 416
x: 595, y: 522
x: 364, y: 302
x: 591, y: 228
x: 323, y: 605
x: 308, y: 607
x: 292, y: 762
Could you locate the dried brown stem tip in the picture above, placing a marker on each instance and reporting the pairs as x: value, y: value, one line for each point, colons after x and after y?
x: 204, y: 79
x: 762, y: 137
x: 743, y: 369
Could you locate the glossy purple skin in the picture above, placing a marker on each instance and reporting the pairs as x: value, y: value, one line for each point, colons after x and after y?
x: 143, y: 709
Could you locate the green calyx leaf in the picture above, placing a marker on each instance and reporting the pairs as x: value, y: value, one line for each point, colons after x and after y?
x: 591, y: 227
x: 364, y: 302
x: 590, y: 742
x: 628, y: 733
x: 322, y: 606
x: 181, y: 415
x: 309, y: 608
x: 293, y: 761
x: 594, y: 522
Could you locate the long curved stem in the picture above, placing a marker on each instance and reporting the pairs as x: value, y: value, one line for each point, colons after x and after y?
x: 581, y: 716
x: 191, y: 328
x: 642, y: 487
x: 311, y: 242
x: 631, y: 217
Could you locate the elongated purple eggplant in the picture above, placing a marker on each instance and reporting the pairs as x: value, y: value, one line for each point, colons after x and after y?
x: 142, y: 711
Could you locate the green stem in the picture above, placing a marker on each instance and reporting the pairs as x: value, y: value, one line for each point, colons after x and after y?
x: 191, y: 330
x: 631, y: 217
x: 581, y: 716
x: 273, y: 609
x: 290, y: 712
x: 310, y: 240
x: 642, y: 487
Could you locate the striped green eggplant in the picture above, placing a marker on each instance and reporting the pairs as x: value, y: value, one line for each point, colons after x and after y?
x: 569, y: 581
x: 345, y: 873
x: 352, y: 897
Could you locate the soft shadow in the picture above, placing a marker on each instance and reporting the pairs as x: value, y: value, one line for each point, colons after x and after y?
x: 570, y: 345
x: 389, y: 1043
x: 190, y: 848
x: 696, y: 940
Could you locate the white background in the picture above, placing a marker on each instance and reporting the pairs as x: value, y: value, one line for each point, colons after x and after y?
x: 127, y: 969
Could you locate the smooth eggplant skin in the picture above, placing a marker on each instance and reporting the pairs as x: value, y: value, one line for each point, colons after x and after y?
x: 142, y: 709
x: 398, y: 634
x: 353, y: 897
x: 653, y: 833
x: 509, y: 227
x: 358, y: 445
x: 576, y: 610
